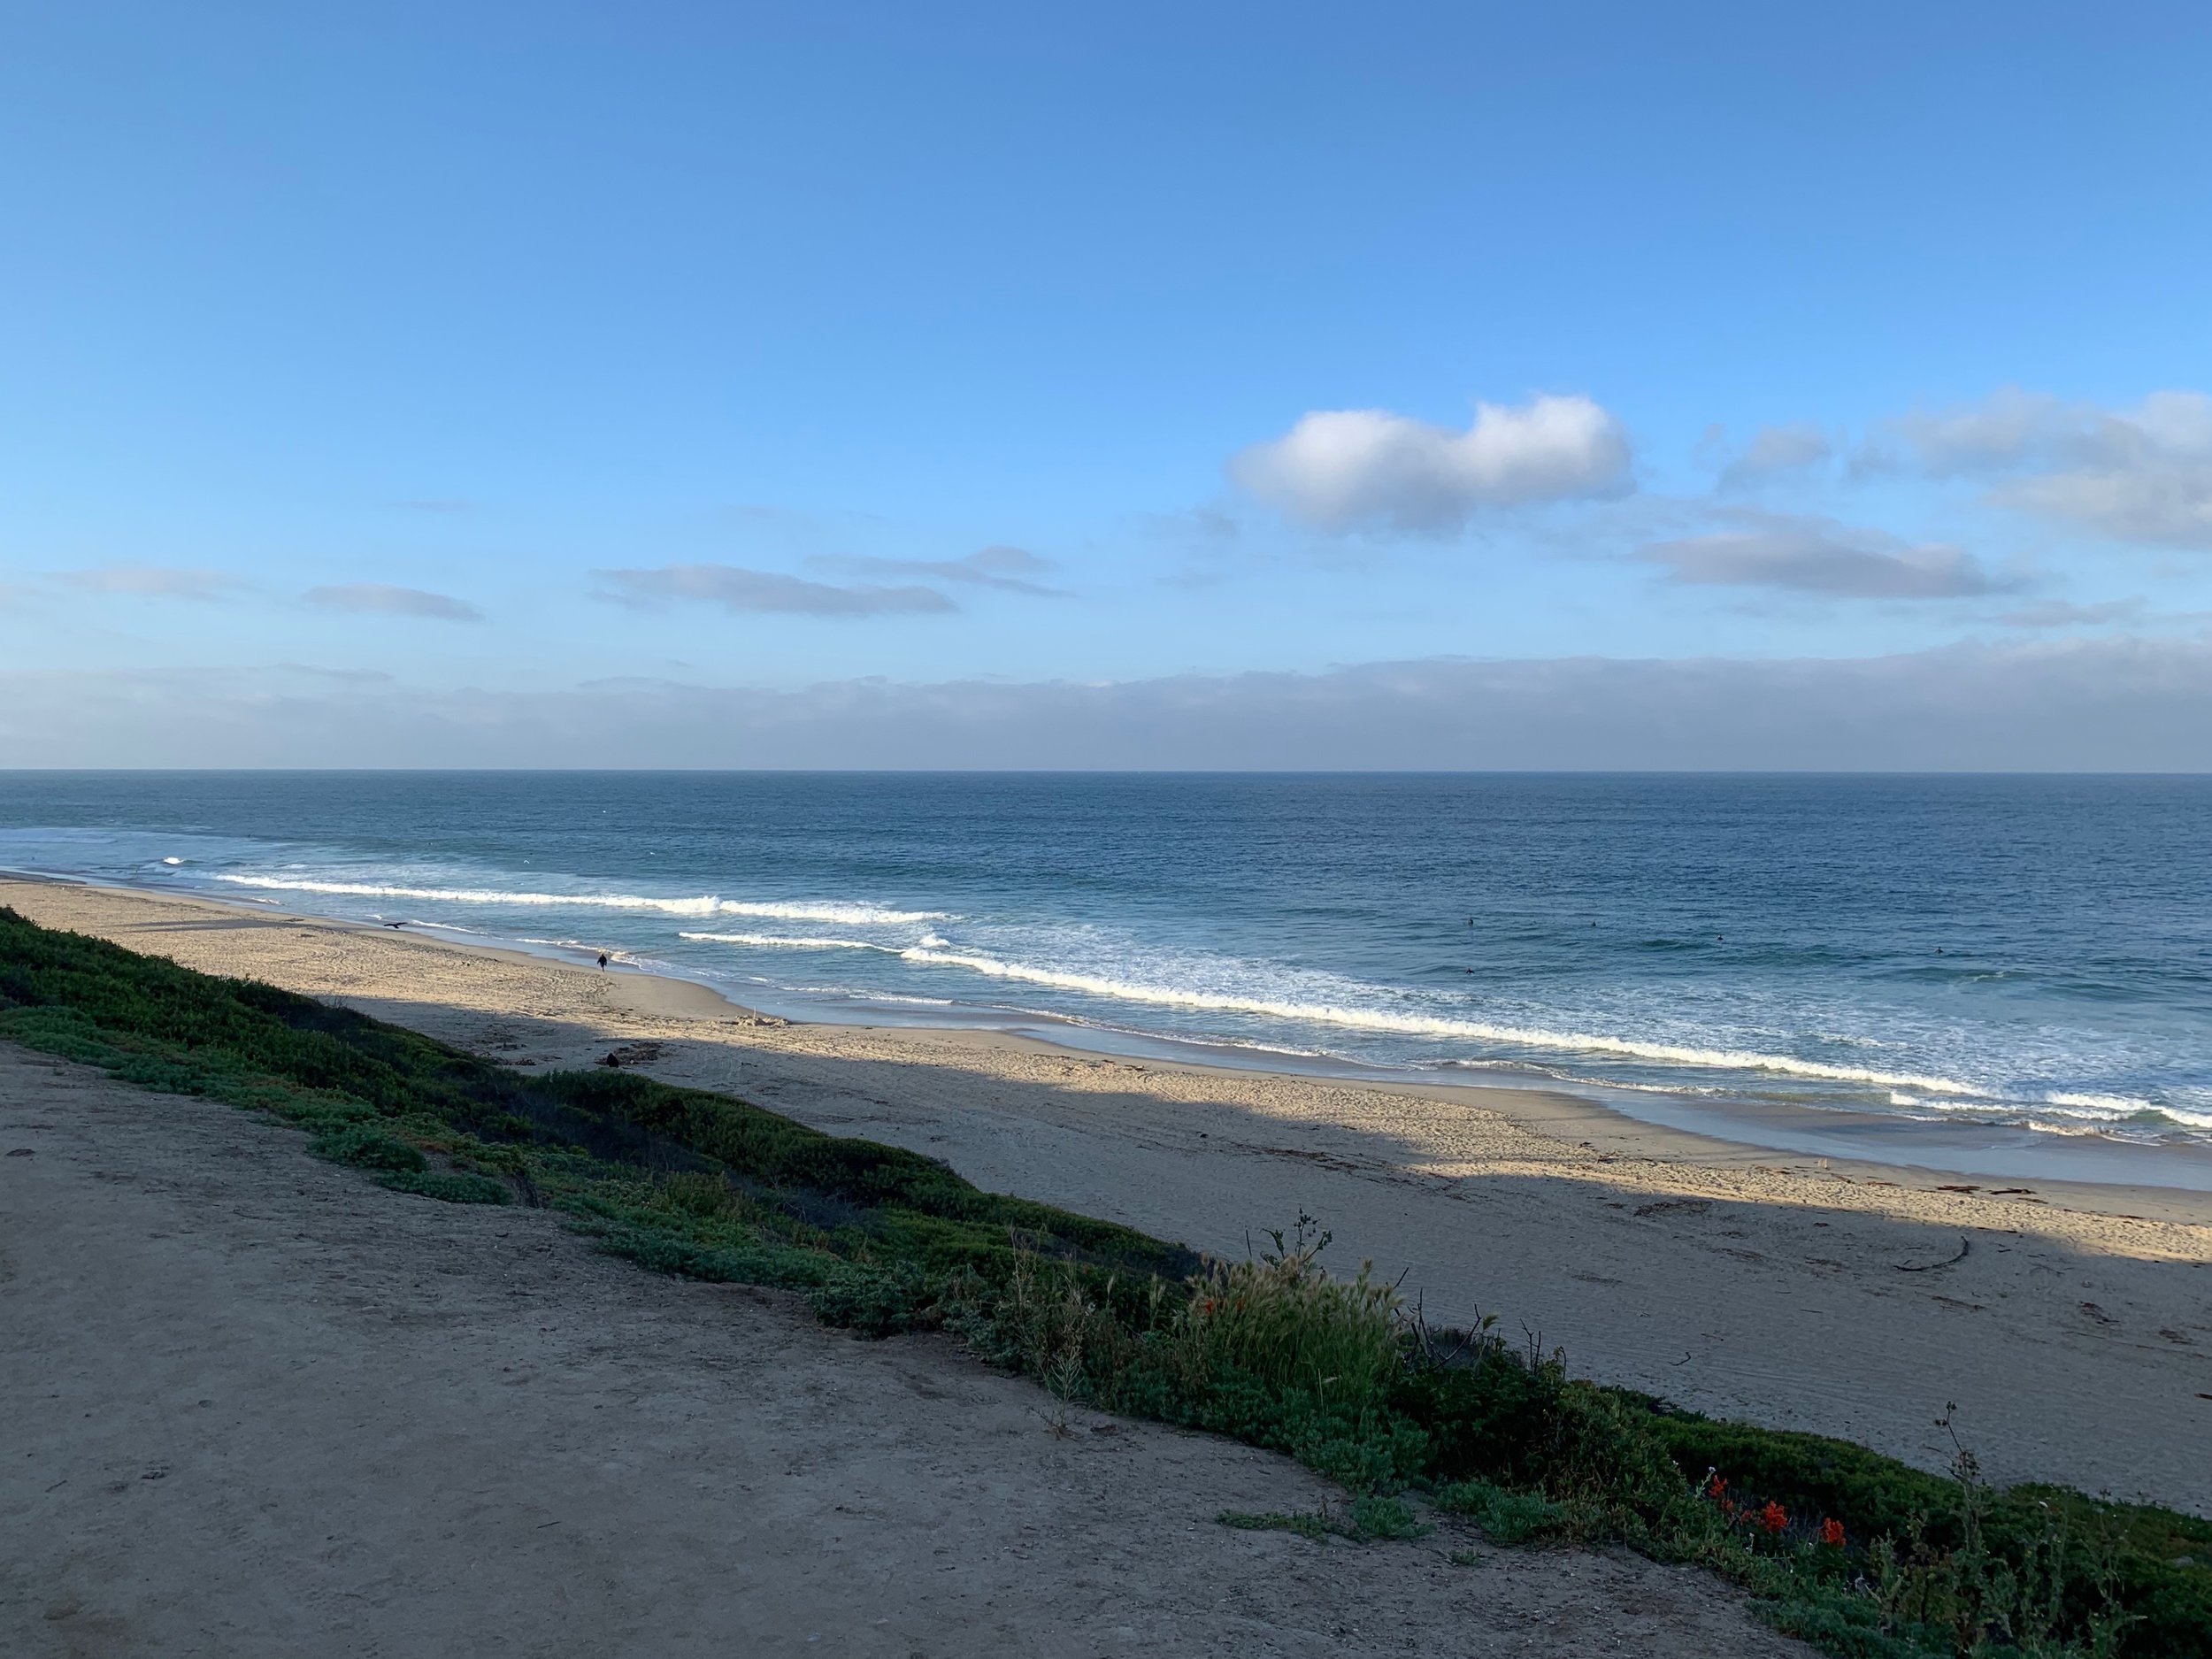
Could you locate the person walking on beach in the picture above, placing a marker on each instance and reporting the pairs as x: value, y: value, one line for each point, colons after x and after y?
x: 603, y: 958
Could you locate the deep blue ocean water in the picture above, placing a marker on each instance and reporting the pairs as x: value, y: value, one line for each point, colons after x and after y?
x: 2027, y: 951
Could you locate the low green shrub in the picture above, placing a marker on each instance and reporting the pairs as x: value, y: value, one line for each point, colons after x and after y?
x: 453, y: 1189
x: 1379, y: 1517
x: 367, y: 1147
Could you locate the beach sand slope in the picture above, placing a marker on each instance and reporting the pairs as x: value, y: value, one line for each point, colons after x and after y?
x: 2073, y: 1325
x: 256, y: 1406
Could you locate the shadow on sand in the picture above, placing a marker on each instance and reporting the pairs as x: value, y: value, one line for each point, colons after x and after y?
x: 2084, y: 1365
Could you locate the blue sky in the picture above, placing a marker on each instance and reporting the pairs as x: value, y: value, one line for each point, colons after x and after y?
x: 363, y: 377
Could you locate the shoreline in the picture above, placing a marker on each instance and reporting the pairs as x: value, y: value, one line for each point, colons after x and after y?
x: 1677, y: 1128
x: 1845, y: 1299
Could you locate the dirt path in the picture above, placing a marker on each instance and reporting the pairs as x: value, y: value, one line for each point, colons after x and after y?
x: 256, y: 1406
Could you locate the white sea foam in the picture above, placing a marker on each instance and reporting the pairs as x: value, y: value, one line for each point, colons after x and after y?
x: 2118, y: 1105
x: 1228, y: 987
x: 2107, y: 1108
x: 1431, y: 1025
x: 706, y: 904
x: 791, y: 942
x: 930, y: 952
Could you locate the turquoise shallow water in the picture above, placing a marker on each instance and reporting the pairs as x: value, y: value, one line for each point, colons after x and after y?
x: 2032, y: 952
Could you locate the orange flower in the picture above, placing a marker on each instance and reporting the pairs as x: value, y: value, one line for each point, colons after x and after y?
x: 1774, y: 1517
x: 1832, y: 1533
x: 1715, y: 1487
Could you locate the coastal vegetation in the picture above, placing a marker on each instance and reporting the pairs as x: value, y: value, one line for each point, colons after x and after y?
x: 1859, y: 1554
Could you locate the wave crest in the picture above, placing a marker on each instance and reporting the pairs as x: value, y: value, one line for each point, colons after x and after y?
x: 1432, y: 1026
x: 791, y: 941
x: 706, y: 904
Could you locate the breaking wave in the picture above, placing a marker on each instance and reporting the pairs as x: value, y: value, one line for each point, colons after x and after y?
x: 2117, y: 1108
x: 1351, y: 1017
x: 790, y: 943
x: 706, y: 904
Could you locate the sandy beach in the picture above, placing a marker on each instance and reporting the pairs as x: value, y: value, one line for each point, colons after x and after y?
x: 2071, y: 1325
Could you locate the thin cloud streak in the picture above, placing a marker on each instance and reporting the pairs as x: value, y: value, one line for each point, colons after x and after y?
x: 380, y: 597
x: 1011, y: 568
x: 1814, y: 556
x: 154, y: 581
x: 2060, y: 614
x: 736, y: 589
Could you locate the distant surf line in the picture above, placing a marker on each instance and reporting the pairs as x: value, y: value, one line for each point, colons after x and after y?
x: 706, y: 904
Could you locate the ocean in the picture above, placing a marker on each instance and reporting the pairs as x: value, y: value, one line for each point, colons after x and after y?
x: 2029, y: 954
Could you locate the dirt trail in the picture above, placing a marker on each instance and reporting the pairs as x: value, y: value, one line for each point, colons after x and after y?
x: 256, y: 1406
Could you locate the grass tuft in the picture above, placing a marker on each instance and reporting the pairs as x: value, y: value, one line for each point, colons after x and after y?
x: 1505, y: 1517
x: 1362, y: 1521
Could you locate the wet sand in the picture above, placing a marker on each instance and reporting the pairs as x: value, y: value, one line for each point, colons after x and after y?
x: 2070, y: 1323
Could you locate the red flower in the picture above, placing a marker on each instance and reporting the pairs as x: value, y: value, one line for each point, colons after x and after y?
x: 1774, y: 1517
x: 1715, y: 1487
x: 1832, y: 1533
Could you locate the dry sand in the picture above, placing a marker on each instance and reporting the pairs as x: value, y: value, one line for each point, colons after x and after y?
x: 2075, y: 1333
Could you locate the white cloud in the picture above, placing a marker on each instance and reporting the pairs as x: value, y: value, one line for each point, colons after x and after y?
x: 398, y: 602
x: 736, y: 589
x: 1817, y: 557
x: 2085, y: 704
x: 1774, y: 450
x: 153, y: 582
x: 2141, y: 475
x: 1346, y: 468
